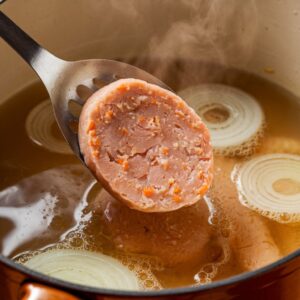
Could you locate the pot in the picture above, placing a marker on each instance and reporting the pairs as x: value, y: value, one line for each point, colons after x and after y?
x: 261, y: 37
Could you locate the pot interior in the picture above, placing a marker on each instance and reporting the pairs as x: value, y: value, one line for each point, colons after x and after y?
x: 49, y: 202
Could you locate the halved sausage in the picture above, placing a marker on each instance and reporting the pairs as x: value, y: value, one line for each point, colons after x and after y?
x: 146, y: 146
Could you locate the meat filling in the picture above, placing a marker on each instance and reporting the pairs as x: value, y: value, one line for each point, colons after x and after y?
x: 146, y: 145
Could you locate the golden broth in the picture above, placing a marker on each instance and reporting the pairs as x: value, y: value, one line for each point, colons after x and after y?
x: 50, y: 200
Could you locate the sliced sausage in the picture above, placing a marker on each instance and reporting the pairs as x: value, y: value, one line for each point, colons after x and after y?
x: 146, y: 146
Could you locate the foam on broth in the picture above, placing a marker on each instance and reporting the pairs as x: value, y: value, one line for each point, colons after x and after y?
x: 48, y: 200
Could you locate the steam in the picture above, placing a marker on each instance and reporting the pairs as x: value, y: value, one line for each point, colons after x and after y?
x: 185, y: 38
x: 221, y: 32
x: 218, y: 32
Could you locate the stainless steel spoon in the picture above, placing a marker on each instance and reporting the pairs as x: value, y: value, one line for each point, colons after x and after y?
x: 66, y: 80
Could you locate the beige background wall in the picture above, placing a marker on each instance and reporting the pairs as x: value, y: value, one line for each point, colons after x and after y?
x: 264, y: 34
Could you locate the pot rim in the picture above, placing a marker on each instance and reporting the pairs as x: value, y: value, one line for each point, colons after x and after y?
x: 145, y: 294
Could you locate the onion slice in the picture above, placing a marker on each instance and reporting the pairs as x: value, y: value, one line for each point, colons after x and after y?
x: 270, y: 185
x: 235, y: 119
x: 40, y: 127
x: 85, y: 268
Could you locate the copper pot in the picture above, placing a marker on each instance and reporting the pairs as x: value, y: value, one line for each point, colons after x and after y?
x: 264, y: 40
x: 275, y: 281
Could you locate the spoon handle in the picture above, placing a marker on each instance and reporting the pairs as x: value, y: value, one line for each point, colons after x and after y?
x: 45, y: 64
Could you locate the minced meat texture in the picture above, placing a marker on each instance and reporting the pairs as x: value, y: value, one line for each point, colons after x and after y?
x: 146, y: 146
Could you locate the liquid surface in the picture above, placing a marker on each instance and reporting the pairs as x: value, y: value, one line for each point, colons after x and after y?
x: 48, y: 200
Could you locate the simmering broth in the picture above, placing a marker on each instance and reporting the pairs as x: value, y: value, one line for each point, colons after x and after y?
x: 48, y: 200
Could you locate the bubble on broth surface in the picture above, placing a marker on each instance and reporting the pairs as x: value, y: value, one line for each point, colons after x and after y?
x: 142, y: 267
x: 210, y: 270
x: 249, y: 238
x: 36, y: 205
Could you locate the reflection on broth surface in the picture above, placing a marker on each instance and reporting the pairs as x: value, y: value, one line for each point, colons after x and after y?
x: 49, y: 201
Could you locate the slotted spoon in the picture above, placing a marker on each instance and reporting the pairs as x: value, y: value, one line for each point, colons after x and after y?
x: 66, y: 80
